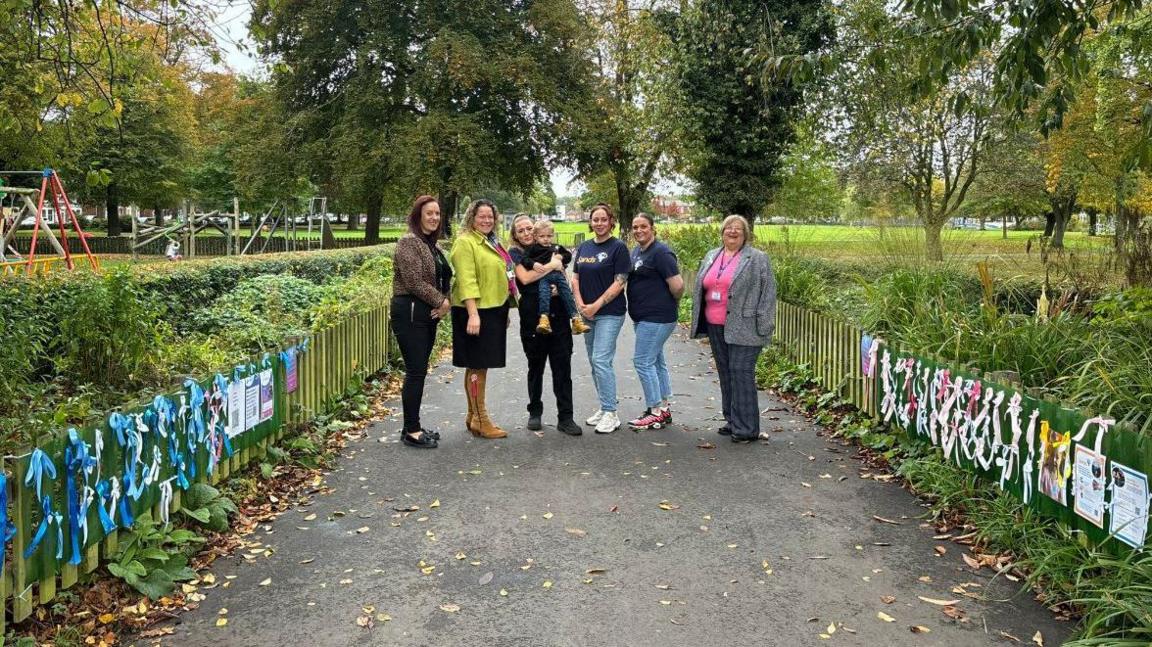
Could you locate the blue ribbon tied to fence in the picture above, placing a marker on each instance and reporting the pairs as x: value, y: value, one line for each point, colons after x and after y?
x: 78, y: 460
x: 7, y: 528
x: 40, y: 465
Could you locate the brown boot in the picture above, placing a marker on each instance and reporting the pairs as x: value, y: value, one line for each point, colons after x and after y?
x: 486, y: 428
x: 471, y: 384
x: 544, y: 326
x: 579, y: 327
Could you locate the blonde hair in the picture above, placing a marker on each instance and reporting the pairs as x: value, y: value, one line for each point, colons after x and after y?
x: 543, y: 226
x: 743, y: 224
x: 513, y: 243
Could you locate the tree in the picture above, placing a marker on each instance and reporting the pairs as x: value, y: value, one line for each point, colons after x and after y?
x: 426, y: 96
x: 623, y: 129
x: 737, y: 122
x: 928, y: 142
x: 809, y: 183
x: 1012, y: 182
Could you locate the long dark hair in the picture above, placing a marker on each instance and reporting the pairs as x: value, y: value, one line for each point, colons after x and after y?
x: 414, y: 218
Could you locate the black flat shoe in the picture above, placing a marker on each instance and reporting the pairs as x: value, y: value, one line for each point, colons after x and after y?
x: 743, y: 440
x: 724, y: 431
x: 434, y: 435
x: 534, y: 423
x: 569, y: 427
x: 425, y: 441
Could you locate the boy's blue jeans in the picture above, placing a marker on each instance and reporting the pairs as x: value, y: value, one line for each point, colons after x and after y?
x: 558, y: 279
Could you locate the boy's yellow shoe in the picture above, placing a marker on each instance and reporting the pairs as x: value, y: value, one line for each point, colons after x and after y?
x: 579, y: 327
x: 545, y: 326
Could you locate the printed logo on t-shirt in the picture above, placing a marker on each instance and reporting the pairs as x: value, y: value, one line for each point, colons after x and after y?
x: 599, y: 258
x: 639, y: 264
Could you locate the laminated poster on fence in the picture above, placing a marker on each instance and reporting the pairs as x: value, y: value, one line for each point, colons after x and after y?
x: 235, y: 408
x: 1088, y: 481
x: 1129, y: 505
x: 290, y: 375
x: 251, y: 401
x: 267, y: 404
x: 1054, y: 467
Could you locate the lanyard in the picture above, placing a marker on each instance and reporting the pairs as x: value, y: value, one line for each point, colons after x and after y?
x: 721, y: 265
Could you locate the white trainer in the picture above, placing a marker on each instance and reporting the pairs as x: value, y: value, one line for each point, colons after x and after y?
x: 609, y: 422
x: 595, y: 418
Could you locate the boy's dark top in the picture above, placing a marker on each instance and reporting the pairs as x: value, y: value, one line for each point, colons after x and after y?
x: 542, y: 254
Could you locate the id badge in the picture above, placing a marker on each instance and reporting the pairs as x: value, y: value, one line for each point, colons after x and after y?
x: 511, y: 275
x: 715, y: 296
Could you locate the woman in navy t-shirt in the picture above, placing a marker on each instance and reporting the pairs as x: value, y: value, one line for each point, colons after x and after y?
x: 654, y: 290
x: 600, y: 272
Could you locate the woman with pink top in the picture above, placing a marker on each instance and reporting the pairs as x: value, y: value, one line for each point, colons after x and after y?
x: 735, y: 307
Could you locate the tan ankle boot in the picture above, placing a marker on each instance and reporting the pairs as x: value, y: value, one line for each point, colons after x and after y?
x: 544, y: 326
x: 485, y: 427
x: 471, y: 385
x: 579, y: 327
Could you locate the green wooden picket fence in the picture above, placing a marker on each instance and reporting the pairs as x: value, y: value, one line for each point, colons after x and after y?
x: 335, y: 360
x: 1070, y: 465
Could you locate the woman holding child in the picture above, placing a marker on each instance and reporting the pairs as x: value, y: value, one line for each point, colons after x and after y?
x: 545, y: 332
x: 481, y: 294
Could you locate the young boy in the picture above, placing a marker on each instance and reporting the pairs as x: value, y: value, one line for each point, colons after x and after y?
x: 541, y: 252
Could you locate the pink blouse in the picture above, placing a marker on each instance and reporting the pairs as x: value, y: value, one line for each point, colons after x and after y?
x: 717, y: 280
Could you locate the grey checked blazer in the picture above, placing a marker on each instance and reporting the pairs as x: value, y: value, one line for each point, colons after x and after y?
x: 751, y: 317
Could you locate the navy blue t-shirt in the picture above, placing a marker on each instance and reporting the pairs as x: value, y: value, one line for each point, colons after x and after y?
x: 649, y: 298
x: 597, y: 265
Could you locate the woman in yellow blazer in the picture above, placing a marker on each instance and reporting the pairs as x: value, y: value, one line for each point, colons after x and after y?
x: 481, y: 295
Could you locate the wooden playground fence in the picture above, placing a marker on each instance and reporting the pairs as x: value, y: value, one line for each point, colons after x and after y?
x: 336, y: 360
x: 205, y: 245
x: 831, y: 348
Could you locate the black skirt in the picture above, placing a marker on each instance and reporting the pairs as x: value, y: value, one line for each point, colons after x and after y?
x: 486, y: 350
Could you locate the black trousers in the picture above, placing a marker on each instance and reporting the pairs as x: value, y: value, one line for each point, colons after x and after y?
x: 415, y: 331
x: 555, y: 350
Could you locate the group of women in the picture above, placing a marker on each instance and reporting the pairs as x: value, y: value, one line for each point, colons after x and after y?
x: 481, y: 279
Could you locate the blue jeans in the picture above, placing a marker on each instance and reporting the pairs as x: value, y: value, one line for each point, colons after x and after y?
x: 649, y: 361
x: 601, y: 345
x: 556, y: 278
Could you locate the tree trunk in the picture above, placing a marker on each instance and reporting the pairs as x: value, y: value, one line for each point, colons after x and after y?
x: 1092, y: 215
x: 933, y: 249
x: 1059, y: 229
x: 157, y: 217
x: 353, y: 221
x: 1004, y: 226
x: 449, y: 203
x: 372, y: 224
x: 112, y: 205
x: 629, y: 207
x: 1049, y: 223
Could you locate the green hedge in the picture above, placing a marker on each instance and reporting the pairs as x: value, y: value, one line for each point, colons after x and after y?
x: 74, y: 344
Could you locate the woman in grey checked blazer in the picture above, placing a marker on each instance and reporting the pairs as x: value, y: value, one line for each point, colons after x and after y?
x: 735, y: 307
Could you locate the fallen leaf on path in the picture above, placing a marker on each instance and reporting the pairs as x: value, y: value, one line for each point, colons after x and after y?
x: 364, y: 621
x: 614, y: 508
x: 311, y: 517
x: 970, y: 561
x: 660, y: 444
x: 220, y: 622
x: 885, y: 617
x: 887, y: 599
x: 883, y: 520
x: 266, y: 582
x: 503, y: 593
x: 486, y: 578
x: 159, y: 631
x: 383, y: 617
x: 434, y: 504
x: 575, y: 531
x: 547, y: 515
x: 805, y: 484
x: 547, y: 584
x: 308, y: 561
x: 663, y: 587
x: 831, y: 628
x: 596, y: 571
x: 1038, y: 639
x: 919, y: 629
x: 940, y: 550
x: 955, y: 613
x: 411, y: 508
x: 461, y: 556
x: 450, y: 607
x: 666, y: 505
x: 1005, y: 634
x: 706, y: 446
x: 940, y: 603
x: 925, y: 578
